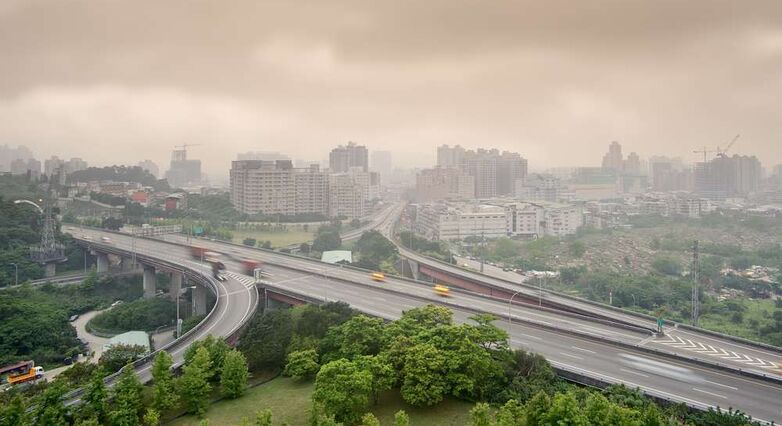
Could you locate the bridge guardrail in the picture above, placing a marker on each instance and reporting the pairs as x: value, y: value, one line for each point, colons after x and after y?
x: 192, y: 274
x: 717, y: 365
x: 640, y: 315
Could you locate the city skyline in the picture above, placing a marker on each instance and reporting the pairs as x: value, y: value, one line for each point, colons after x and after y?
x: 108, y: 82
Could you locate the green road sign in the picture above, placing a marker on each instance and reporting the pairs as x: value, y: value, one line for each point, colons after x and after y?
x: 199, y: 230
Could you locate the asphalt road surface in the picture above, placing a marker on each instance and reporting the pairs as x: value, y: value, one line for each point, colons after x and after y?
x: 674, y: 379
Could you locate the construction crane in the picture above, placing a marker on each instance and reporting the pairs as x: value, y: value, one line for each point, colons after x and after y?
x: 184, y: 147
x: 720, y: 152
x: 705, y: 151
x: 723, y: 152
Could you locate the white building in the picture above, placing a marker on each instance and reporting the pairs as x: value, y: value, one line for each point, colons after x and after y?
x: 460, y: 221
x: 347, y: 197
x: 496, y: 218
x: 275, y: 187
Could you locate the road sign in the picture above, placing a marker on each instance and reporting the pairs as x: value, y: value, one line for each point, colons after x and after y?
x: 199, y: 230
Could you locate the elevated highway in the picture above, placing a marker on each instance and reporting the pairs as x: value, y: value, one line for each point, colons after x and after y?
x: 601, y: 350
x: 235, y: 300
x: 680, y: 339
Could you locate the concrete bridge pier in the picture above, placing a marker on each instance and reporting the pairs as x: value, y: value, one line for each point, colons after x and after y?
x: 199, y: 300
x: 49, y: 269
x: 176, y: 285
x: 102, y: 262
x: 150, y: 282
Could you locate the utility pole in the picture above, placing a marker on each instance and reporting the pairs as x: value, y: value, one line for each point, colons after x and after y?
x: 696, y: 266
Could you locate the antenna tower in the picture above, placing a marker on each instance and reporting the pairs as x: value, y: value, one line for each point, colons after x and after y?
x: 696, y: 266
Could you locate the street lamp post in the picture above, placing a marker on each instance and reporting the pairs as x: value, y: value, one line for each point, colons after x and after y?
x: 510, y: 301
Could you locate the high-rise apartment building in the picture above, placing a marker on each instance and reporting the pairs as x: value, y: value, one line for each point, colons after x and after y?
x: 275, y: 187
x: 345, y: 157
x: 450, y: 156
x: 613, y: 159
x: 442, y: 183
x: 493, y: 173
x: 632, y: 165
x: 75, y: 165
x: 347, y: 196
x: 23, y: 167
x: 183, y: 172
x: 670, y: 174
x: 724, y: 176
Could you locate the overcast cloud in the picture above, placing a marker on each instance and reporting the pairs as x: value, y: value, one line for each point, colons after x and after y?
x: 118, y: 82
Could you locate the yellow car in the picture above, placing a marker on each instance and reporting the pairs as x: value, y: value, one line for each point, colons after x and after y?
x: 378, y: 276
x: 442, y: 290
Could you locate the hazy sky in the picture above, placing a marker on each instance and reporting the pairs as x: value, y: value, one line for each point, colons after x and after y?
x: 119, y: 81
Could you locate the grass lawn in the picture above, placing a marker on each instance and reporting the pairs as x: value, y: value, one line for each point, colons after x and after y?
x: 290, y: 402
x: 278, y: 239
x: 759, y: 310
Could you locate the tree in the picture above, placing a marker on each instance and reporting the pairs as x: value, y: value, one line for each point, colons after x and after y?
x: 424, y: 375
x: 163, y: 392
x: 266, y: 338
x: 577, y: 248
x: 96, y: 395
x: 510, y: 414
x: 360, y: 335
x: 217, y: 349
x: 194, y: 387
x: 383, y: 374
x: 342, y: 388
x: 263, y: 417
x: 250, y: 242
x: 369, y: 419
x: 536, y: 409
x: 327, y: 240
x: 564, y: 410
x: 14, y: 413
x: 480, y: 415
x: 305, y: 248
x: 233, y: 378
x: 302, y: 364
x: 374, y: 248
x: 127, y: 398
x: 152, y: 417
x: 401, y: 418
x: 50, y: 409
x: 118, y: 356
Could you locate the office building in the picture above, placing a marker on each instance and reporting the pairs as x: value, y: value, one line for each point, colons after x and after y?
x: 345, y: 157
x: 632, y: 165
x: 74, y: 165
x: 262, y: 155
